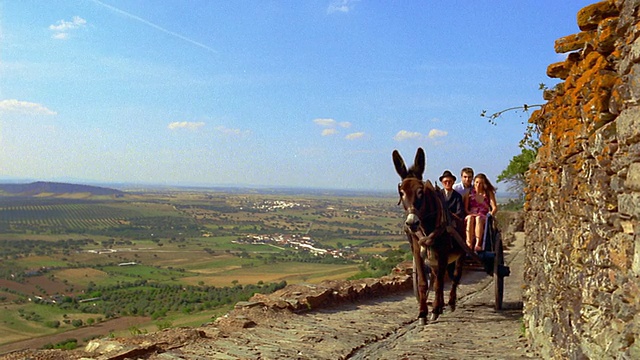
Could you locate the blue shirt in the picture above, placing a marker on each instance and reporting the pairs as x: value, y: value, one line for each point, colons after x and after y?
x: 461, y: 189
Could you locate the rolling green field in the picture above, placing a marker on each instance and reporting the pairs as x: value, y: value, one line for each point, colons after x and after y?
x: 178, y: 257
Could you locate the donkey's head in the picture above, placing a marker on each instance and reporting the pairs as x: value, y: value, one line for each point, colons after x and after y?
x: 415, y: 195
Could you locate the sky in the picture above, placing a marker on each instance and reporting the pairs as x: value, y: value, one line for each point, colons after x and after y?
x: 310, y: 94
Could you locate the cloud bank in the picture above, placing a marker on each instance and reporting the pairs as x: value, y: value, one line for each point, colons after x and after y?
x: 341, y: 6
x: 24, y: 107
x: 62, y: 28
x: 403, y: 135
x: 230, y: 131
x: 354, y: 136
x: 435, y: 133
x: 185, y: 125
x: 330, y: 125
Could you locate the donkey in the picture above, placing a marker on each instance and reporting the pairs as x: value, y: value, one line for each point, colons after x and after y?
x: 434, y: 242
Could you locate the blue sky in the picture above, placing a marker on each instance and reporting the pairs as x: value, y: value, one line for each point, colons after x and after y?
x: 271, y: 93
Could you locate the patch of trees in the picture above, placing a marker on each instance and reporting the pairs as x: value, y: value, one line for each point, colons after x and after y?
x: 68, y: 344
x: 26, y: 247
x: 377, y: 266
x: 144, y: 298
x: 160, y: 227
x: 222, y: 208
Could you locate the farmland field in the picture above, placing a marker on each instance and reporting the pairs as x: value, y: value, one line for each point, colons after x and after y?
x: 79, y: 261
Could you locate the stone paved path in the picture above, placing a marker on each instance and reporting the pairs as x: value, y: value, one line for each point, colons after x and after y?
x: 473, y: 331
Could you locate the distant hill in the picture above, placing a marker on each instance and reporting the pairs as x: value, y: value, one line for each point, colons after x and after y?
x: 41, y: 187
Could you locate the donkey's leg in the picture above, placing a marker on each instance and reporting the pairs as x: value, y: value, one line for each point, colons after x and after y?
x: 438, y: 303
x: 422, y: 289
x: 456, y: 268
x: 422, y: 284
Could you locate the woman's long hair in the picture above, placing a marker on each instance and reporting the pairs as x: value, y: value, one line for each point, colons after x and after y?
x: 488, y: 186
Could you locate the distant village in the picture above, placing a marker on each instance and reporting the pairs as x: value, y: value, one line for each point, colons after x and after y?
x: 297, y: 242
x: 272, y: 205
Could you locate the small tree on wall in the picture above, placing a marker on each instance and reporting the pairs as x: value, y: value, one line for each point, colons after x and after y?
x: 514, y: 174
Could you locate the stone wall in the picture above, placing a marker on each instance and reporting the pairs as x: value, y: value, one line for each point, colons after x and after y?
x: 582, y: 299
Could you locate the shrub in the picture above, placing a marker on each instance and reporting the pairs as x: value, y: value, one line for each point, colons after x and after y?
x: 52, y: 324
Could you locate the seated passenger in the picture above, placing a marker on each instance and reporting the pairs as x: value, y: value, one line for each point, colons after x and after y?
x: 465, y: 185
x: 453, y: 199
x: 480, y: 201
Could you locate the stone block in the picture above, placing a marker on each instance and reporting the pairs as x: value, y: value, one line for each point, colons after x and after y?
x: 574, y: 42
x: 633, y: 177
x: 619, y: 94
x: 629, y: 205
x: 628, y: 124
x: 607, y: 35
x: 590, y: 16
x: 635, y: 266
x: 632, y: 58
x: 633, y: 82
x: 557, y: 70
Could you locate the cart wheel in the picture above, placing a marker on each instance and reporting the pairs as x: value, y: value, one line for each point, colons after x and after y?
x: 498, y: 278
x: 414, y: 277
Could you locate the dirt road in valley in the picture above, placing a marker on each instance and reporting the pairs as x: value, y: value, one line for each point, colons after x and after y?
x: 380, y: 328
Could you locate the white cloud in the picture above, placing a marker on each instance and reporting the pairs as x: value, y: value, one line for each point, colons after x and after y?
x: 230, y: 131
x: 354, y: 136
x: 60, y: 36
x: 185, y: 125
x: 330, y: 125
x: 407, y: 135
x: 325, y: 122
x: 327, y: 132
x: 61, y: 28
x: 24, y: 107
x: 342, y: 6
x: 435, y: 133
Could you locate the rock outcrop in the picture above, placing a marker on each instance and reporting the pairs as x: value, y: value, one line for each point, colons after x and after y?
x: 583, y: 200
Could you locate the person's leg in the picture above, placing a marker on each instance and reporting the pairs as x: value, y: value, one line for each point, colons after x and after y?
x: 470, y: 220
x: 479, y: 232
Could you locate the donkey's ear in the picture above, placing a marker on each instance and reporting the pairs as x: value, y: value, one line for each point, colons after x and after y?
x: 419, y: 162
x: 401, y: 168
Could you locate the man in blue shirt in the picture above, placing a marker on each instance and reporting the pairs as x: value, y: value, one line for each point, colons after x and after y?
x: 465, y: 184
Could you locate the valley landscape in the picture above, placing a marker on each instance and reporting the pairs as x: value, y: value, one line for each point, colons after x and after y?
x: 116, y: 262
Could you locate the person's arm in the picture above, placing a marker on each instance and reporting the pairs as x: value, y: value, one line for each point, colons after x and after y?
x: 494, y: 204
x: 459, y: 207
x: 466, y: 203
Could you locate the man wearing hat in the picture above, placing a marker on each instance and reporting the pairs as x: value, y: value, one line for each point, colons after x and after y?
x: 455, y: 204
